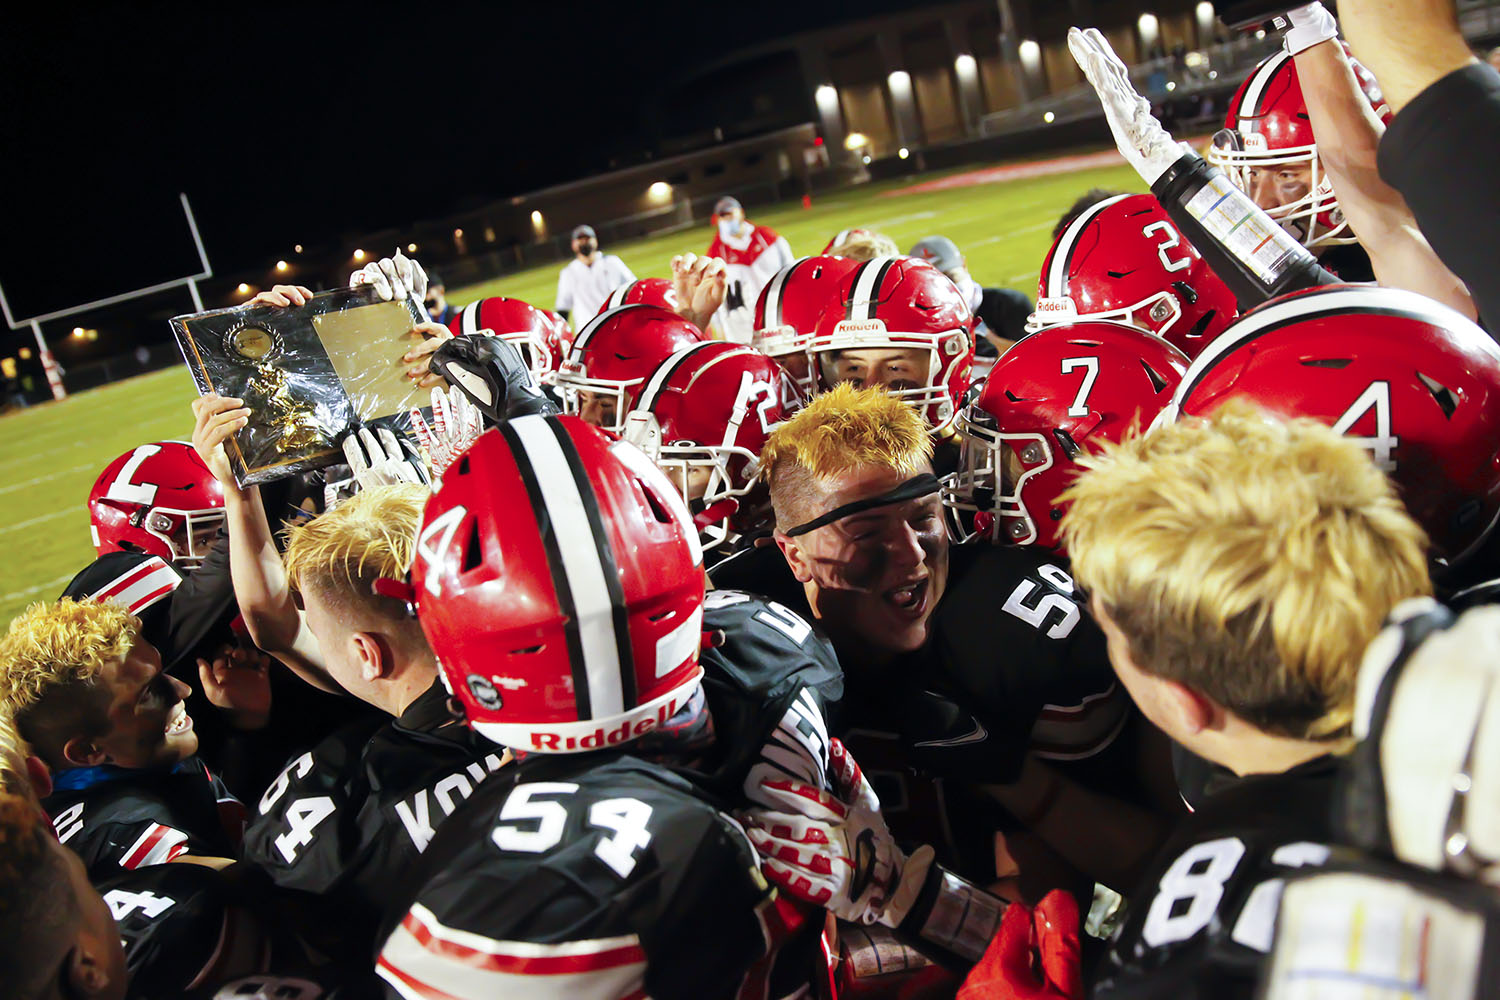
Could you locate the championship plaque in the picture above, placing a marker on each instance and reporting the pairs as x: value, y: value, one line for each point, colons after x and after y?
x: 308, y: 374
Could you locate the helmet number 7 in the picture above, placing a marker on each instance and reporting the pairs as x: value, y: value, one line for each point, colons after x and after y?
x: 1080, y: 407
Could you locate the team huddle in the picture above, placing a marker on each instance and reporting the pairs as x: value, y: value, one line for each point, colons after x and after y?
x: 754, y: 641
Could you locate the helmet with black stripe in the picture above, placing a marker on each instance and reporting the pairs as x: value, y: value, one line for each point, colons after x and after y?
x: 703, y: 417
x: 612, y: 356
x: 651, y: 291
x: 1123, y: 259
x: 1268, y: 129
x: 786, y: 314
x: 559, y: 580
x: 901, y: 324
x: 1050, y: 399
x: 541, y: 340
x: 1411, y: 380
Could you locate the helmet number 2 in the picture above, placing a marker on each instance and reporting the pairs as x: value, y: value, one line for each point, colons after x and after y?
x: 1377, y: 396
x: 1172, y: 242
x: 1080, y: 407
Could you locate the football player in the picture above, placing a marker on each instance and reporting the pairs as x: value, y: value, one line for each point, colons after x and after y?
x: 999, y: 313
x: 703, y: 417
x: 752, y: 255
x: 612, y: 356
x: 1052, y: 398
x: 786, y: 314
x: 157, y: 498
x: 541, y: 339
x: 651, y: 291
x: 88, y: 694
x: 982, y: 660
x: 1123, y: 259
x: 1239, y: 566
x: 590, y: 869
x: 345, y: 819
x: 1415, y: 908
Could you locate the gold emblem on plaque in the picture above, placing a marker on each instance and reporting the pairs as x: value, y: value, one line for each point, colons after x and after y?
x: 251, y: 343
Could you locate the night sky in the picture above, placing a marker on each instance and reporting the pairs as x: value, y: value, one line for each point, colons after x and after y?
x: 301, y: 125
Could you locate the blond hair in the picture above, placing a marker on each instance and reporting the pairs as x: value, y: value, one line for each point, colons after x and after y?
x: 843, y: 429
x: 866, y: 245
x: 340, y: 554
x: 52, y: 655
x: 1248, y: 557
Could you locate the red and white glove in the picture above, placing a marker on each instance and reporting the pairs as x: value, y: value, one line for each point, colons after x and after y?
x: 1034, y: 955
x: 832, y: 849
x: 456, y: 424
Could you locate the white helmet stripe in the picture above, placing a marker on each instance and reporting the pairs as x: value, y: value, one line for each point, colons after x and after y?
x: 1365, y: 298
x: 469, y: 319
x: 665, y: 370
x: 569, y: 507
x: 581, y: 341
x: 1062, y: 254
x: 617, y: 297
x: 1255, y: 90
x: 864, y: 296
x: 773, y: 294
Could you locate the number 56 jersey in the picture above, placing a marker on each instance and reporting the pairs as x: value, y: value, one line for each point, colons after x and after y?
x: 594, y: 875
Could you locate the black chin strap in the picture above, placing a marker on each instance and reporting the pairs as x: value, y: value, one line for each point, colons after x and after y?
x: 918, y: 486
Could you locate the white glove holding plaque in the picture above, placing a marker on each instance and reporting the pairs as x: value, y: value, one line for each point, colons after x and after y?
x: 379, y: 461
x: 393, y: 278
x: 1309, y: 26
x: 834, y: 850
x: 1146, y: 146
x: 456, y: 424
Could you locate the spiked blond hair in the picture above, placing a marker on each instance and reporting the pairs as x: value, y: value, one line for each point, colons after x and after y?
x: 341, y: 553
x: 842, y: 429
x: 1247, y: 557
x: 50, y: 662
x: 866, y: 246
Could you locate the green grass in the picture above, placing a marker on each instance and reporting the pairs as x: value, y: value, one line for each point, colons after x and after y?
x: 51, y: 454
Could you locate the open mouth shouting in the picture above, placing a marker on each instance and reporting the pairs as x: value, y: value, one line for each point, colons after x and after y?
x: 909, y: 599
x: 179, y: 722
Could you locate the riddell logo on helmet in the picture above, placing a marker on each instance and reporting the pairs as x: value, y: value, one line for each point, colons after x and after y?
x: 1060, y: 306
x: 860, y: 326
x: 626, y: 731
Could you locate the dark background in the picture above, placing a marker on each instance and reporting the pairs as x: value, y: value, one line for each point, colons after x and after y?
x: 309, y: 125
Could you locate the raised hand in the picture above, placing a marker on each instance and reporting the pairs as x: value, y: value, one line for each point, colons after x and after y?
x: 700, y: 284
x: 1146, y: 146
x: 394, y: 277
x: 237, y: 680
x: 456, y: 423
x: 215, y: 419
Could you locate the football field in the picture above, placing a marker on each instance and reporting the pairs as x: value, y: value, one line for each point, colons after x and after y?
x: 50, y: 454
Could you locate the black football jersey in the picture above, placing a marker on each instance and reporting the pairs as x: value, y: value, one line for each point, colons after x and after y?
x: 1201, y: 921
x: 118, y: 818
x: 581, y: 876
x: 346, y: 818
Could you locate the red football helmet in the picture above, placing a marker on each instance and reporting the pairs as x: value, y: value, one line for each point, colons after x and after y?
x: 158, y: 498
x: 1412, y: 380
x: 786, y: 314
x: 899, y: 304
x: 703, y: 417
x: 541, y: 340
x: 614, y: 353
x: 651, y: 291
x: 1267, y: 127
x: 559, y: 580
x: 1124, y: 260
x: 1053, y: 395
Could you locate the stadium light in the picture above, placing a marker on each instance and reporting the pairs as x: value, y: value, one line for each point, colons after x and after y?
x: 411, y: 248
x: 866, y: 157
x: 903, y: 152
x: 1149, y: 27
x: 1205, y: 12
x: 242, y: 288
x: 536, y: 217
x: 1049, y: 117
x: 297, y: 248
x: 458, y: 234
x: 91, y: 334
x: 1213, y: 74
x: 281, y: 265
x: 826, y: 96
x: 900, y: 81
x: 24, y: 354
x: 855, y: 140
x: 78, y: 332
x: 359, y: 254
x: 1031, y: 54
x: 1171, y: 85
x: 965, y: 65
x: 660, y: 190
x: 1260, y: 34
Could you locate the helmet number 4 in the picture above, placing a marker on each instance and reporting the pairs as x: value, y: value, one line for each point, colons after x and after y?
x: 1172, y: 242
x: 1377, y: 396
x: 443, y: 528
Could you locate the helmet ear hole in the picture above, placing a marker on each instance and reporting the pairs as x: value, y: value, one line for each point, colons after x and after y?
x: 473, y: 551
x: 658, y: 509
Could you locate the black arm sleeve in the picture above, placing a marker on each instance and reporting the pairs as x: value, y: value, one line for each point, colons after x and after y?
x: 1004, y: 311
x: 1440, y: 153
x: 1249, y: 252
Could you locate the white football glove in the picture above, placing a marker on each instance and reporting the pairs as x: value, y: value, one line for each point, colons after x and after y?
x: 393, y: 278
x: 456, y: 424
x: 1146, y: 146
x: 834, y: 850
x: 1309, y: 26
x: 379, y: 461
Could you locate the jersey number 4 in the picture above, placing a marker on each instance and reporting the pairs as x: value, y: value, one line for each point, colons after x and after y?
x: 626, y: 817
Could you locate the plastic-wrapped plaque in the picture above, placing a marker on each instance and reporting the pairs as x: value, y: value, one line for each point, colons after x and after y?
x: 309, y: 374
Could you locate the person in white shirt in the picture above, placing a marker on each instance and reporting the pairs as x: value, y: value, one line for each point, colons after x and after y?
x: 752, y: 255
x: 589, y: 277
